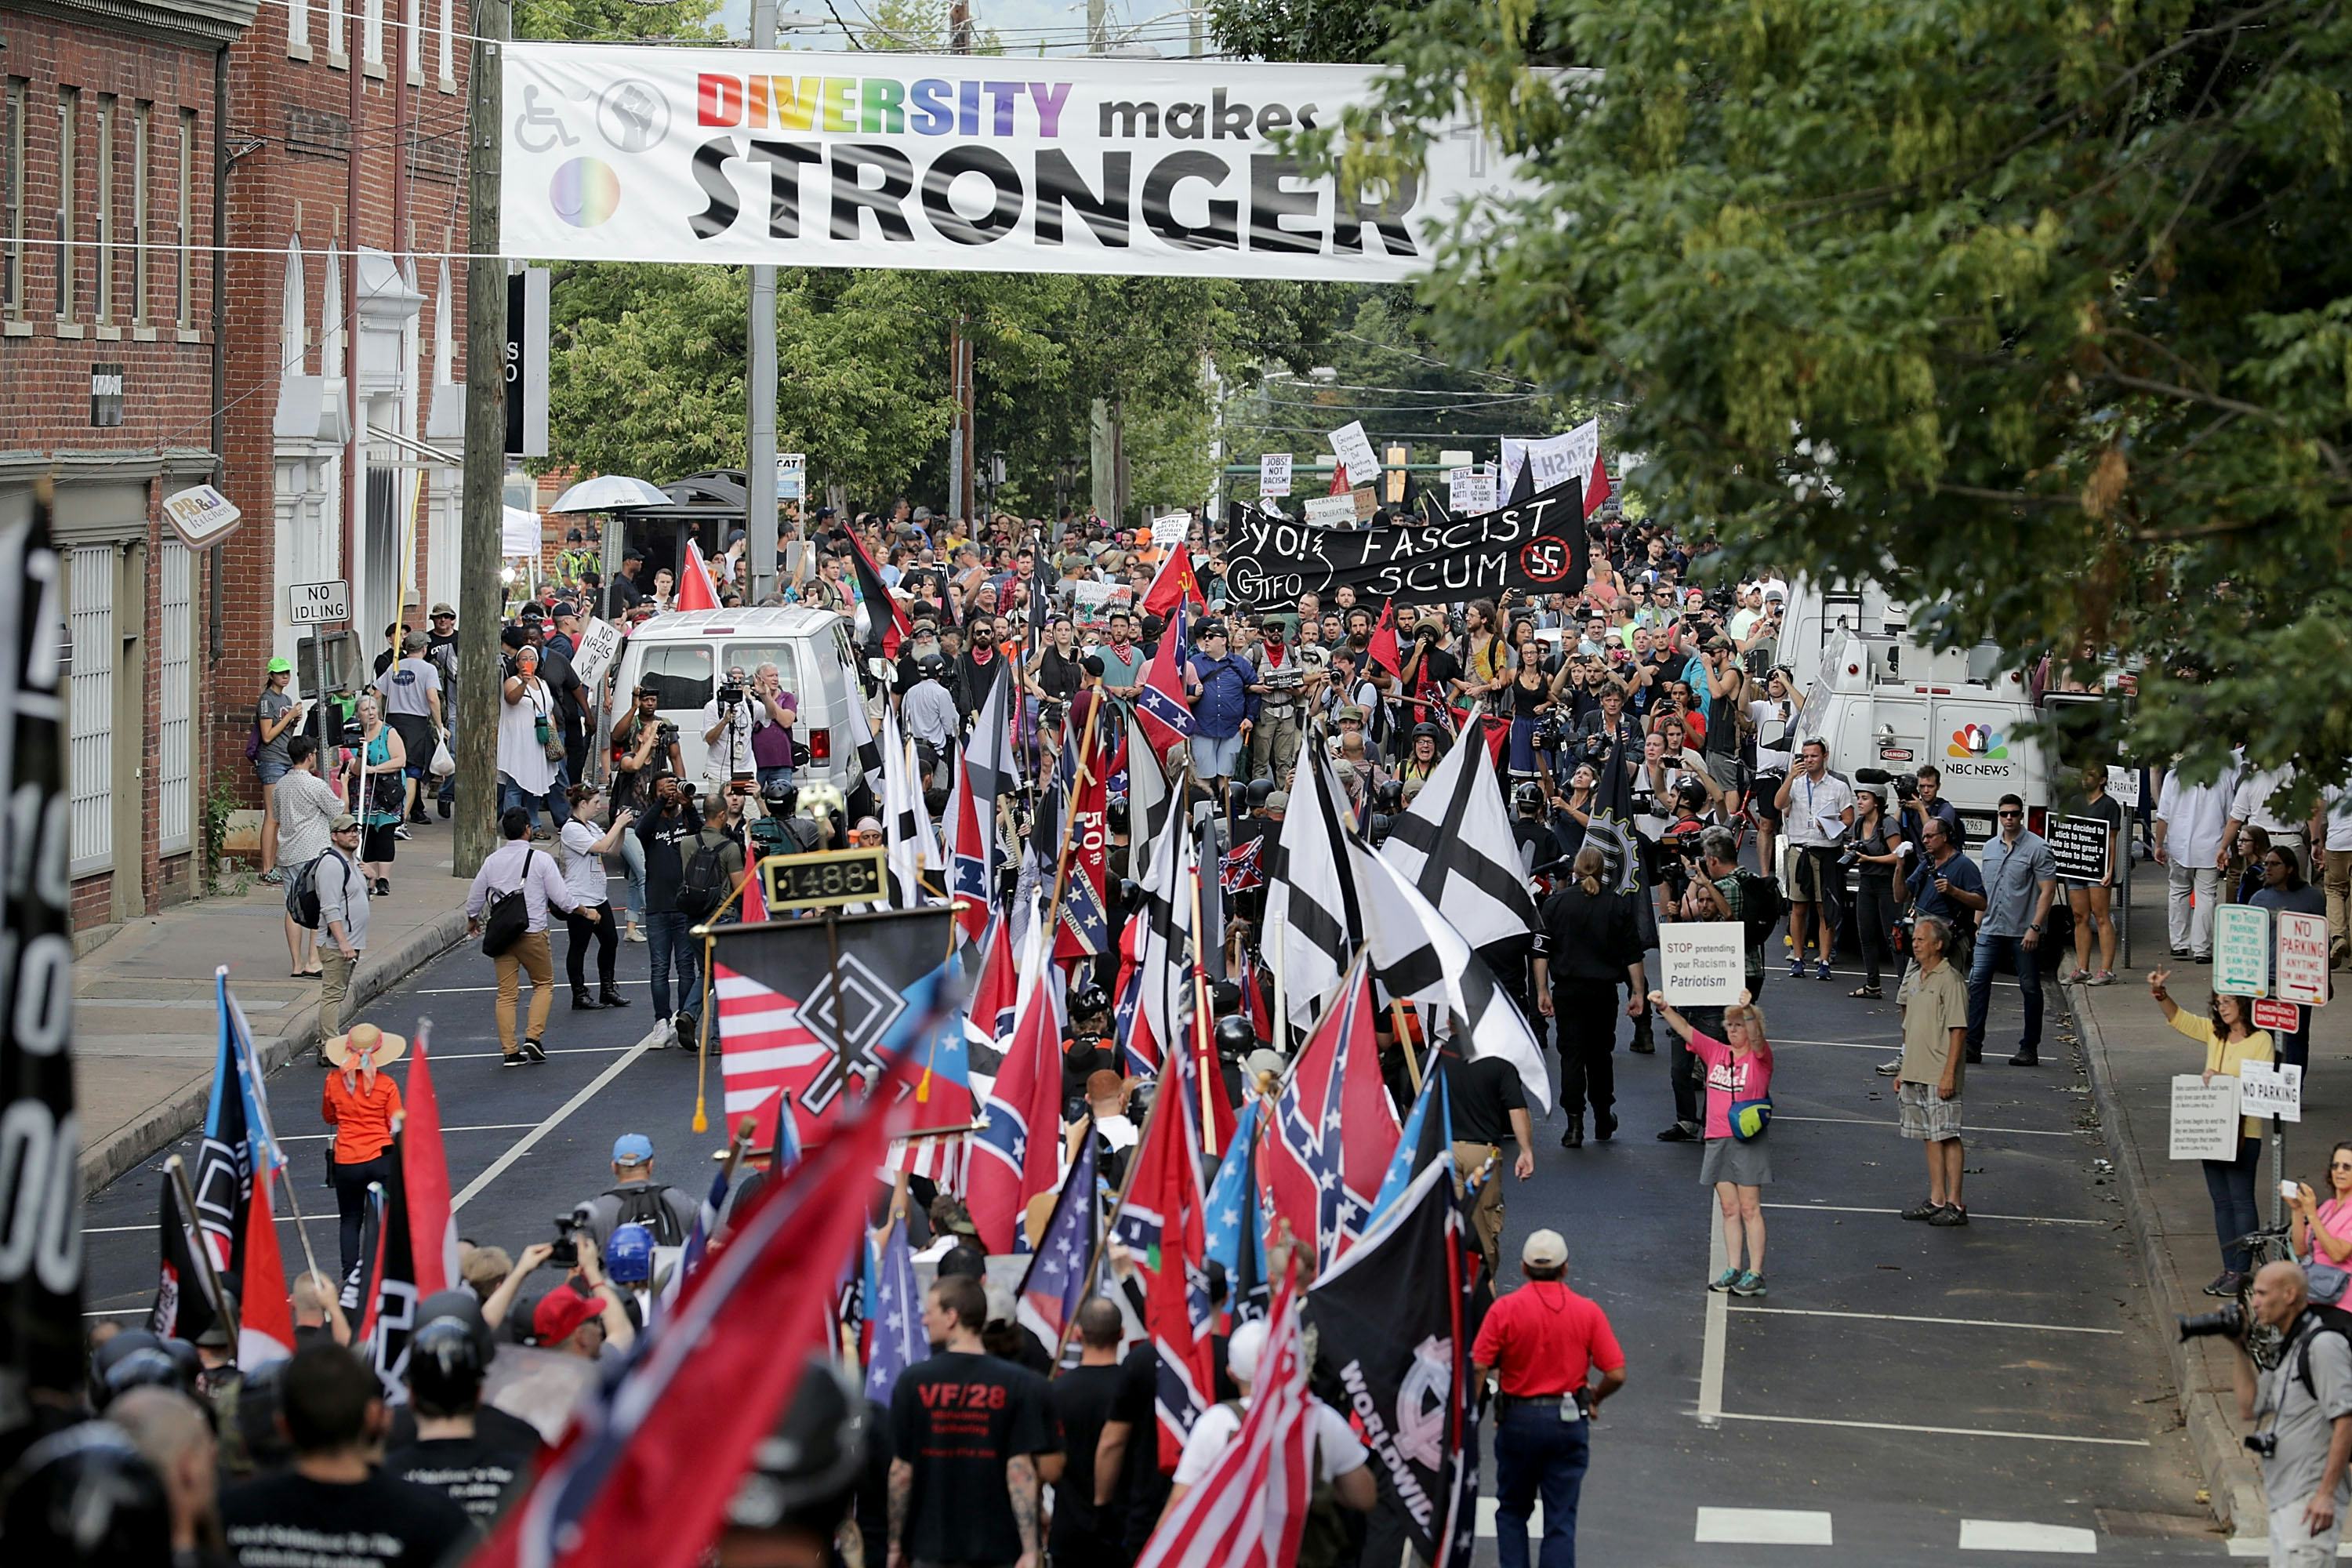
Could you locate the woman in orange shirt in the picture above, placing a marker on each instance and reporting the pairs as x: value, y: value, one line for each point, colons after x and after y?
x: 360, y: 1103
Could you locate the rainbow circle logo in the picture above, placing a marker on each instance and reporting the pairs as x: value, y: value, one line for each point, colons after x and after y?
x: 1977, y: 740
x: 585, y: 192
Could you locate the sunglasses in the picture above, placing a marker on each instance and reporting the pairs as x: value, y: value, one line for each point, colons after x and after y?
x: 2013, y: 814
x: 2340, y: 1165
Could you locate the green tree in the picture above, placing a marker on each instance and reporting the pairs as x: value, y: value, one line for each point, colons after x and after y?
x: 2035, y: 310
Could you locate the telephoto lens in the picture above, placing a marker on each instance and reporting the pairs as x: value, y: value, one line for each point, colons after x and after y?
x: 2230, y: 1320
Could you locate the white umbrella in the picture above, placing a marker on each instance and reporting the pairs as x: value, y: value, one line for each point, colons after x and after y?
x: 607, y: 492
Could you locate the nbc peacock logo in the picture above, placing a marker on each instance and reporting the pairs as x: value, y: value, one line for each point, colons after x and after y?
x: 1977, y: 742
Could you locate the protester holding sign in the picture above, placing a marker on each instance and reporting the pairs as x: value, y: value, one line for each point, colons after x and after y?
x: 2090, y: 897
x: 1738, y: 1105
x: 2231, y: 1039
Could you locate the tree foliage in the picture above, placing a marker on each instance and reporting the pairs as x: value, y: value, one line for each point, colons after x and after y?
x: 2035, y: 310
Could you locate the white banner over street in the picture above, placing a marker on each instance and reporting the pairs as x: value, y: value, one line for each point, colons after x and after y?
x: 1159, y: 168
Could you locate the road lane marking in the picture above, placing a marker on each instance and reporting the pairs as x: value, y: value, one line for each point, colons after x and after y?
x: 1875, y: 1122
x: 480, y: 1127
x: 551, y: 1050
x: 557, y: 1116
x: 2020, y: 1535
x: 1487, y: 1508
x: 1894, y: 1045
x: 1763, y: 1527
x: 1716, y: 1330
x: 1938, y: 1431
x: 2019, y: 1218
x: 1900, y: 1318
x: 487, y: 990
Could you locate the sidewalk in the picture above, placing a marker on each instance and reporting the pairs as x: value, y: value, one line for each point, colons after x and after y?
x: 2132, y: 1056
x: 146, y: 1031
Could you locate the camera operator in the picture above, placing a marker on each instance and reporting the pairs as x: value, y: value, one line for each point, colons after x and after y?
x: 1611, y: 742
x: 725, y: 726
x: 2306, y: 1401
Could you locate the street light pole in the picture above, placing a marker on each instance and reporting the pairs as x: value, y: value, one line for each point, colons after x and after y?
x: 760, y: 384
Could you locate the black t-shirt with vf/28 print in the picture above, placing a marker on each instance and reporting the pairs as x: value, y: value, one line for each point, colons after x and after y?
x: 957, y: 1418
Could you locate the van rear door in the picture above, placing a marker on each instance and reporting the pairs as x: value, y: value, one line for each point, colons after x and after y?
x: 1974, y: 741
x: 682, y: 675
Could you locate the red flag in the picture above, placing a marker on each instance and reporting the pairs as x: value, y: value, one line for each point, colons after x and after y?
x: 1017, y: 1155
x: 694, y: 589
x: 754, y: 902
x: 265, y: 1323
x: 1175, y: 584
x: 1161, y: 1225
x: 650, y: 1461
x: 1383, y: 647
x: 1340, y: 479
x: 424, y: 1178
x: 1495, y: 732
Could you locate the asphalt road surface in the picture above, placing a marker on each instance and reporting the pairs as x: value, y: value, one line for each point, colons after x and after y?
x: 1903, y: 1396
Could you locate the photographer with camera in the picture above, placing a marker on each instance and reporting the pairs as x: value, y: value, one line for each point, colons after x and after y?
x: 726, y: 725
x: 645, y: 744
x: 2302, y: 1404
x: 1818, y: 807
x: 1878, y: 855
x: 583, y: 1312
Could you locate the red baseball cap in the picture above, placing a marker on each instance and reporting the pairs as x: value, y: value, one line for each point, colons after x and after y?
x: 558, y: 1315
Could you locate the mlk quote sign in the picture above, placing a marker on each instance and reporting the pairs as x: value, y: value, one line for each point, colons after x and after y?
x: 1162, y: 168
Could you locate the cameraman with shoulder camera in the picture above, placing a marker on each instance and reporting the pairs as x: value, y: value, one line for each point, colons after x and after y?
x: 2305, y: 1404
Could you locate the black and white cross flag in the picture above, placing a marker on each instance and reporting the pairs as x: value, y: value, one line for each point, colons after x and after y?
x: 1419, y: 957
x: 1311, y: 893
x: 1164, y: 952
x: 1454, y: 841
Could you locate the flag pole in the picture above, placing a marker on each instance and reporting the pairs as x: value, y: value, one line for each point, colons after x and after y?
x: 1208, y: 1080
x: 223, y: 1303
x: 1404, y: 1042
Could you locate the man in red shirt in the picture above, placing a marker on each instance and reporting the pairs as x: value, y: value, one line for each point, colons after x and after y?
x: 1544, y: 1341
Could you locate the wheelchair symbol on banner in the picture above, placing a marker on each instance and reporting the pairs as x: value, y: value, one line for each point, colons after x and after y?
x: 536, y: 117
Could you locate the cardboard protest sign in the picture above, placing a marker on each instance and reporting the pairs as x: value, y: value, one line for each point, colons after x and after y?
x: 1274, y: 474
x: 1705, y: 963
x: 2204, y: 1118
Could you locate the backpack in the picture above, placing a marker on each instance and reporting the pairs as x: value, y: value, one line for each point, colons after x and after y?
x: 1761, y: 906
x: 302, y: 891
x: 705, y: 885
x: 641, y: 1204
x: 2325, y: 1321
x: 507, y: 917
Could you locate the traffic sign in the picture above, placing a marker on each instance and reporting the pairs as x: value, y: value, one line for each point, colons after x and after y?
x: 2241, y: 950
x: 2274, y: 1015
x: 2302, y: 969
x: 316, y: 603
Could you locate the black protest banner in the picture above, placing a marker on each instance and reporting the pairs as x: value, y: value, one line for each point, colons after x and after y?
x: 2083, y: 847
x: 40, y: 1178
x: 1537, y: 546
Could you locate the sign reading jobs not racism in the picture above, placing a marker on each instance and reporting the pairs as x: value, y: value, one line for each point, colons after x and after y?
x: 1537, y: 547
x: 1160, y: 168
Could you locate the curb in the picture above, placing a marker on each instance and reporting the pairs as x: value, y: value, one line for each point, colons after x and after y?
x: 2233, y: 1489
x: 164, y: 1124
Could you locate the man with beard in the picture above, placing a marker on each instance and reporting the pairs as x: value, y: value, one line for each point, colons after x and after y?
x: 976, y: 668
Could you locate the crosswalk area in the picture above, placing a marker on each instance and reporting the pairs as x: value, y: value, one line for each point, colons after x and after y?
x: 2008, y: 1539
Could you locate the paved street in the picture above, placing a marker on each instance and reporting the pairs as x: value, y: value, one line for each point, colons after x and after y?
x: 1902, y: 1393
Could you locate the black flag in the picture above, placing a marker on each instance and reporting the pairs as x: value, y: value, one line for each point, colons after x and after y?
x: 40, y: 1179
x: 1392, y: 1334
x: 183, y: 1307
x: 380, y: 1293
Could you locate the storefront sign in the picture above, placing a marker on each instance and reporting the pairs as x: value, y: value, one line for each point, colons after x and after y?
x: 200, y: 515
x: 527, y: 363
x: 1115, y: 167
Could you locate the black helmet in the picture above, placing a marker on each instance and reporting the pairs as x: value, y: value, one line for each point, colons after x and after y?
x: 1114, y: 816
x: 1235, y: 1037
x: 90, y: 1498
x: 1258, y: 789
x: 778, y: 793
x: 445, y: 1367
x: 1224, y: 996
x: 1527, y: 796
x: 1429, y: 730
x: 1690, y: 794
x: 264, y: 1442
x: 1086, y: 1003
x: 804, y: 1473
x: 1388, y: 796
x: 138, y: 1359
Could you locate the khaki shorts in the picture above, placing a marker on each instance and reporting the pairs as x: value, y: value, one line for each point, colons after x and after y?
x: 1926, y: 1115
x: 1814, y: 875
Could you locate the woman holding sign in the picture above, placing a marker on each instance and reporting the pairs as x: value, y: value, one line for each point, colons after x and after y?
x: 1739, y: 1111
x: 2229, y: 1038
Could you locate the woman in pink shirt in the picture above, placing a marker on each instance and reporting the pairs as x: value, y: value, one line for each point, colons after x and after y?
x: 1738, y: 1069
x: 2323, y: 1231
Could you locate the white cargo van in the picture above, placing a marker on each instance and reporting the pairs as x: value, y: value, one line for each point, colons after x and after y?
x: 682, y: 656
x: 1880, y: 703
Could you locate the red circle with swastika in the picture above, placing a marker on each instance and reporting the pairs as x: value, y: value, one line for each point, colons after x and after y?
x: 1545, y: 560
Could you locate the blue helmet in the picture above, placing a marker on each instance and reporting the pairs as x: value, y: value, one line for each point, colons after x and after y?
x: 629, y: 1256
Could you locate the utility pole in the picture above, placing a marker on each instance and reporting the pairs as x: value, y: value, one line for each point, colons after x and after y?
x: 1097, y: 34
x: 759, y: 379
x: 480, y: 599
x: 1193, y: 16
x: 962, y: 500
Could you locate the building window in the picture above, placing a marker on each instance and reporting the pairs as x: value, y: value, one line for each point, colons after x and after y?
x: 101, y: 154
x: 372, y: 40
x: 12, y: 197
x: 183, y: 258
x: 449, y: 44
x: 298, y: 29
x: 175, y: 701
x: 68, y: 113
x: 142, y: 120
x: 336, y: 54
x: 89, y: 700
x: 412, y: 41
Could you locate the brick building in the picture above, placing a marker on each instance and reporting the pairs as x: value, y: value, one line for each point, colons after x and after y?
x: 153, y: 152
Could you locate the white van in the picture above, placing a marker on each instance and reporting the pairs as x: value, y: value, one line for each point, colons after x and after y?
x: 1880, y: 702
x: 681, y: 657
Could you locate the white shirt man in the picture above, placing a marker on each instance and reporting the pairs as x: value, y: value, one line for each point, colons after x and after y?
x: 2191, y: 824
x: 727, y: 735
x: 1339, y: 1455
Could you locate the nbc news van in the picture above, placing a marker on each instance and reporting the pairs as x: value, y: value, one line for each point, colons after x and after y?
x: 1884, y: 702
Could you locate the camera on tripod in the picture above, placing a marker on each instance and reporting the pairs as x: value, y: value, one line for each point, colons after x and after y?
x: 731, y: 693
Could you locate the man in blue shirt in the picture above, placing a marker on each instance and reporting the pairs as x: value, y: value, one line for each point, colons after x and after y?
x: 1225, y: 691
x: 2019, y: 879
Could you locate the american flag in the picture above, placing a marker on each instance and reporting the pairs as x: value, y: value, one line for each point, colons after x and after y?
x: 1160, y: 704
x: 1333, y: 1129
x: 894, y: 1311
x: 1161, y: 1226
x: 1056, y: 1281
x: 1250, y: 1510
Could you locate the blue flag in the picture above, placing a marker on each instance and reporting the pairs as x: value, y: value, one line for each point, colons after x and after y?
x: 1233, y: 1217
x: 1064, y: 1262
x: 1424, y: 1138
x: 895, y: 1309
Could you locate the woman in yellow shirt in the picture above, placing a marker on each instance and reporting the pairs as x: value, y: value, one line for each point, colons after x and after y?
x: 2228, y: 1036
